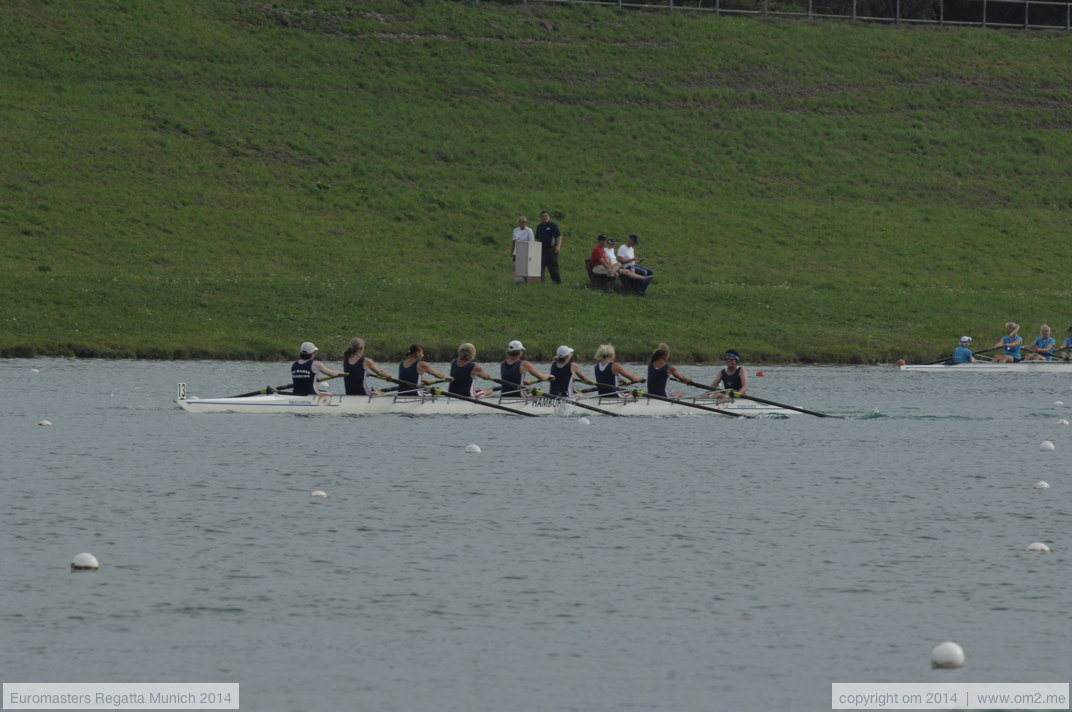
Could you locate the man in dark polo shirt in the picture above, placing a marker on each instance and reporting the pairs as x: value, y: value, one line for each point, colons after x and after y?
x: 550, y: 239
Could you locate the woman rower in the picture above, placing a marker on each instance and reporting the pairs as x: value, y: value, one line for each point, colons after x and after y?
x: 1042, y: 348
x: 462, y: 370
x: 303, y: 371
x: 513, y: 369
x: 660, y: 370
x: 412, y: 368
x: 357, y: 366
x: 1066, y: 346
x: 733, y: 377
x: 610, y: 375
x: 1011, y: 342
x: 563, y: 371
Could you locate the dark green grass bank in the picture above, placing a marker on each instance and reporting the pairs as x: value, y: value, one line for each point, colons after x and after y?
x: 228, y: 179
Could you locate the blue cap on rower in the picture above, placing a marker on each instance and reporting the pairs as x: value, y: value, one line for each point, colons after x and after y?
x: 733, y: 355
x: 965, y: 339
x: 309, y: 348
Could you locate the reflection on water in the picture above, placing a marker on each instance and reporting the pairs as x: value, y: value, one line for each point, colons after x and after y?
x: 690, y: 563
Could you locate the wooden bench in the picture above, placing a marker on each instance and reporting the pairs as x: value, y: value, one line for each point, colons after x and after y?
x: 599, y: 281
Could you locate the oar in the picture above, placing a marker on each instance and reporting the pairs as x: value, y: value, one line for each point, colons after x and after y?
x: 576, y: 403
x: 271, y: 389
x: 644, y: 394
x: 738, y: 394
x: 947, y: 359
x: 448, y: 394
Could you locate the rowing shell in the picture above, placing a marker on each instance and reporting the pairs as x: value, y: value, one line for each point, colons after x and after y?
x: 987, y: 367
x: 437, y: 405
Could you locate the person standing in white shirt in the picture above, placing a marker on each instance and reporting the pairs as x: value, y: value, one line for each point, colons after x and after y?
x: 522, y: 233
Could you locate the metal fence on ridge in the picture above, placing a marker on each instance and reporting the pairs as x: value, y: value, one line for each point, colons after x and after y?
x: 1020, y: 14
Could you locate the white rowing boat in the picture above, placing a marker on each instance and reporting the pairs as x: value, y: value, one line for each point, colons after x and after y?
x: 443, y: 405
x: 988, y: 367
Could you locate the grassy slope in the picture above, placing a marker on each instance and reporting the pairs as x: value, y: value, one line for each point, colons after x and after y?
x: 229, y: 179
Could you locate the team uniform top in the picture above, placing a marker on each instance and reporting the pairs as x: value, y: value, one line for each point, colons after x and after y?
x: 511, y: 373
x: 301, y: 373
x: 962, y: 354
x: 462, y: 385
x: 657, y: 379
x: 606, y: 381
x: 731, y: 383
x: 356, y: 378
x: 409, y: 374
x: 1013, y: 351
x: 563, y: 383
x: 1045, y: 345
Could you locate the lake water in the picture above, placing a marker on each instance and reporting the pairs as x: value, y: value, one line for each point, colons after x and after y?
x: 682, y: 564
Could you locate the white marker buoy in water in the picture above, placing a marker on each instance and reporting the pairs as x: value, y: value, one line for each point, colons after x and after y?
x: 1062, y: 421
x: 1041, y: 484
x: 85, y: 562
x: 45, y: 422
x: 34, y: 370
x: 583, y: 421
x: 319, y: 494
x: 1038, y: 548
x: 947, y: 655
x: 1046, y: 446
x: 473, y: 447
x: 1058, y: 402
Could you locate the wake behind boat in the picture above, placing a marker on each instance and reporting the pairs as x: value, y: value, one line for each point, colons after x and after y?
x: 989, y: 367
x: 334, y: 404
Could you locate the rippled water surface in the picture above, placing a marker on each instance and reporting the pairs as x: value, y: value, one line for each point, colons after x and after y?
x: 681, y: 564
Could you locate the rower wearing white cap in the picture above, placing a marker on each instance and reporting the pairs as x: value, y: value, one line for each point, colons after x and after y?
x: 963, y: 353
x: 357, y: 366
x: 513, y: 369
x: 303, y: 371
x: 563, y: 371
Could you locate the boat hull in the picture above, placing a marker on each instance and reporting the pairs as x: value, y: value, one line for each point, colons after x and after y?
x: 441, y: 405
x: 988, y: 367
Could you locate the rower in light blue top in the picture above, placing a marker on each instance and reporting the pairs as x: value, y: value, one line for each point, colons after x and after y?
x: 1011, y: 342
x: 1042, y: 348
x: 963, y: 353
x: 1066, y: 346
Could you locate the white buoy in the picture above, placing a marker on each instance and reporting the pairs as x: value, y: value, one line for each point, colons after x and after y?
x: 1062, y: 421
x: 1038, y: 548
x: 45, y: 422
x: 1041, y: 484
x: 1058, y: 402
x: 583, y: 421
x: 85, y: 562
x: 1046, y: 446
x: 473, y: 447
x: 34, y: 370
x: 319, y: 494
x: 947, y: 655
